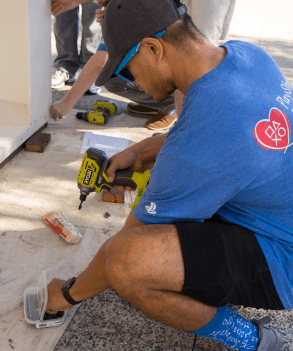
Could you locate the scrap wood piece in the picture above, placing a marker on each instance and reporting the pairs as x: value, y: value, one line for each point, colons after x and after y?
x: 119, y: 199
x: 38, y: 142
x: 107, y: 197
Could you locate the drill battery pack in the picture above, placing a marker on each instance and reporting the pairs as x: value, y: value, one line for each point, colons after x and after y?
x: 110, y: 105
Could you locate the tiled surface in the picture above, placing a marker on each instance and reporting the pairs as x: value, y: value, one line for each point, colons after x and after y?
x: 107, y: 322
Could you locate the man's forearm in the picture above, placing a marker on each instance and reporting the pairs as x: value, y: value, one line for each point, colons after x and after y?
x: 92, y: 280
x: 87, y: 77
x: 148, y: 148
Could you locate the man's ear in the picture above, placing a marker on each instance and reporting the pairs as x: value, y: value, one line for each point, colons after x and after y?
x: 152, y: 47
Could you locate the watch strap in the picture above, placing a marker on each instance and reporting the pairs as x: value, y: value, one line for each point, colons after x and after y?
x: 66, y: 294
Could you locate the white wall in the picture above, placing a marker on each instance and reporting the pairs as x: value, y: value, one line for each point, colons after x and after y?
x: 25, y: 71
x: 40, y: 60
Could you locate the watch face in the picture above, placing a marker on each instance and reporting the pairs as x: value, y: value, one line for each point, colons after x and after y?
x: 68, y: 284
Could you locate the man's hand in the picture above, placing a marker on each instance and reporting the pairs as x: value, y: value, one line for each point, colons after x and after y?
x: 60, y: 6
x: 59, y: 109
x: 128, y: 158
x: 124, y: 159
x: 103, y: 2
x: 56, y: 300
x: 99, y: 15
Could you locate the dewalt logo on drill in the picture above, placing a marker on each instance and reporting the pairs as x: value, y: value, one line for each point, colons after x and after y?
x: 87, y: 177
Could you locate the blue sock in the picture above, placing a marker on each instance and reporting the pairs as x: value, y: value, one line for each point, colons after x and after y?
x: 232, y: 330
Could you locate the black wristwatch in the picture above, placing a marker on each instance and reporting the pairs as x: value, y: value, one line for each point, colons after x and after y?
x: 65, y: 291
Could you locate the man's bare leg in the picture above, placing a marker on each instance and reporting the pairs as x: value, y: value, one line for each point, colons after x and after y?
x: 145, y: 266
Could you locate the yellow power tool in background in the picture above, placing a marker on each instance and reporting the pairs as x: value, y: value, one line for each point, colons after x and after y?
x: 92, y: 176
x: 103, y: 111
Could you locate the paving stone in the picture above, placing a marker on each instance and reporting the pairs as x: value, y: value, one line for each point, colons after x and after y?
x: 109, y: 323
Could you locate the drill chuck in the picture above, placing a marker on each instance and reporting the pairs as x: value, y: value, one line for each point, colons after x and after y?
x: 82, y: 198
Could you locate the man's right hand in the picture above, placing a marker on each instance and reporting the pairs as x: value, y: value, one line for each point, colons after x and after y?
x: 59, y: 109
x: 138, y: 157
x: 127, y: 158
x: 60, y: 6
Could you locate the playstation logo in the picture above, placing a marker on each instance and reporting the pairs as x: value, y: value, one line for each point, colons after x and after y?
x: 151, y: 209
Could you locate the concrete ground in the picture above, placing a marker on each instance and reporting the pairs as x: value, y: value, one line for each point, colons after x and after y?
x: 106, y: 322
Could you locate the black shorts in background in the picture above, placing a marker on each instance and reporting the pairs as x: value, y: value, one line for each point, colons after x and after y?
x: 224, y: 264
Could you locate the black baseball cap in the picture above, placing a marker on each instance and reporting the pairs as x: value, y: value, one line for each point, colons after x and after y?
x: 126, y: 22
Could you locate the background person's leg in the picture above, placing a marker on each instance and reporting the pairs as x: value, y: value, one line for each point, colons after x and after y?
x: 91, y: 32
x: 165, y: 115
x: 228, y: 18
x: 212, y: 17
x: 66, y: 34
x: 131, y: 91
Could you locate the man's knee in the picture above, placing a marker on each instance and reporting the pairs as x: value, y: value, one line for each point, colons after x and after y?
x: 120, y: 263
x: 117, y: 85
x: 145, y: 258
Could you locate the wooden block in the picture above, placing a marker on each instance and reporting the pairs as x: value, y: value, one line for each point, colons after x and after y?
x: 107, y: 197
x: 119, y: 199
x: 38, y: 142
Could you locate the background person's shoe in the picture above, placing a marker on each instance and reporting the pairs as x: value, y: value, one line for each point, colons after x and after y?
x: 59, y: 78
x: 143, y: 110
x: 93, y: 90
x: 161, y: 122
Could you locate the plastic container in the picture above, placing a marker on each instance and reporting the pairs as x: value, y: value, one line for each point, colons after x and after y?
x: 35, y: 303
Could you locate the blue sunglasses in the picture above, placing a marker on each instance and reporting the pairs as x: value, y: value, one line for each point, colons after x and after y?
x: 123, y: 72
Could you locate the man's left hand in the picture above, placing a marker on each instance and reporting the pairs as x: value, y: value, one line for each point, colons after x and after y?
x: 56, y: 300
x: 60, y: 6
x: 99, y: 15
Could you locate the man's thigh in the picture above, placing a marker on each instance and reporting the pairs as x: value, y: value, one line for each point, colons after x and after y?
x: 223, y: 264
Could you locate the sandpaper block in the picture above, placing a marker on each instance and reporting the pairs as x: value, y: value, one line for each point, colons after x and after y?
x: 38, y: 142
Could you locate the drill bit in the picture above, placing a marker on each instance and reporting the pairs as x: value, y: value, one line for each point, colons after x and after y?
x: 80, y: 205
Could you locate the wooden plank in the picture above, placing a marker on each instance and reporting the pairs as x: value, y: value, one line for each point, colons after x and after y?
x: 38, y: 142
x: 3, y: 163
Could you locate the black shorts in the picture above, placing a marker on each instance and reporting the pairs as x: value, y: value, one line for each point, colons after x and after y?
x: 224, y: 264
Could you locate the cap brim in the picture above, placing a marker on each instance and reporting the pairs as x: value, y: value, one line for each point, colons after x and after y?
x: 109, y: 69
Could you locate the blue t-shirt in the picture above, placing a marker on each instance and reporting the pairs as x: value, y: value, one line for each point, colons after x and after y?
x: 230, y: 153
x: 102, y: 46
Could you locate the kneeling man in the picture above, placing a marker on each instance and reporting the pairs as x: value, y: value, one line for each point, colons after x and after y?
x: 215, y: 224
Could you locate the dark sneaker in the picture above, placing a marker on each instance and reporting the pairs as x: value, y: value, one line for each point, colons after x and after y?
x: 59, y: 78
x: 161, y: 122
x: 270, y: 340
x: 143, y: 110
x: 93, y: 90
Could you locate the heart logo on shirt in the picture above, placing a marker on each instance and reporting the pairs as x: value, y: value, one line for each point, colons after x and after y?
x: 273, y: 133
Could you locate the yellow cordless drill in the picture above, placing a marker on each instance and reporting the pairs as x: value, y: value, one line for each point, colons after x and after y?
x: 103, y: 111
x: 92, y: 176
